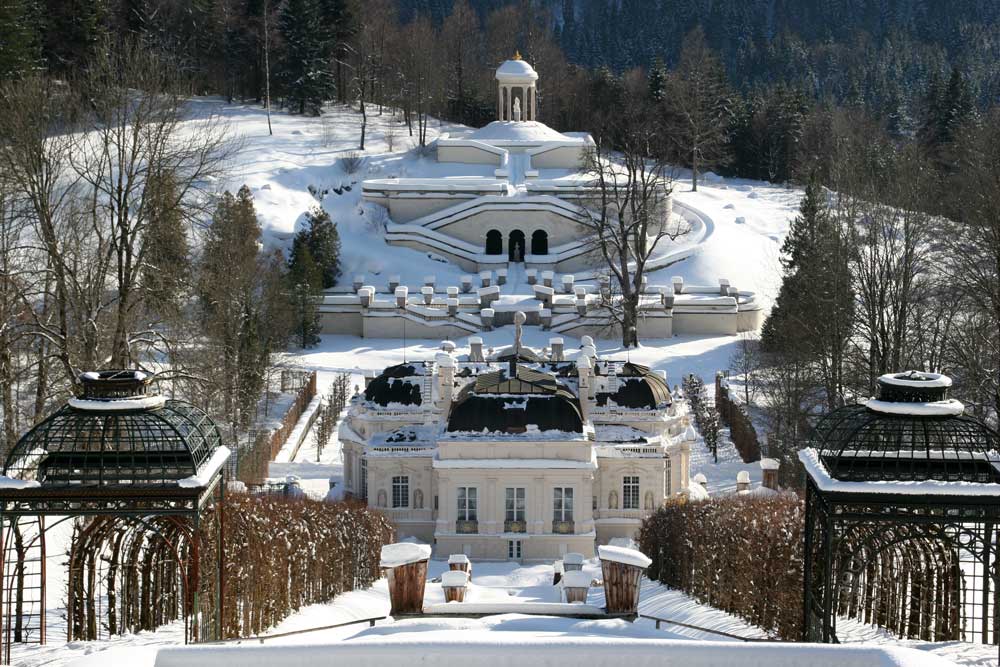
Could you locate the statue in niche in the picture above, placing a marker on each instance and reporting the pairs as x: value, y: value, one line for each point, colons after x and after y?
x: 381, y: 502
x: 649, y: 500
x: 418, y: 499
x: 613, y: 500
x: 517, y: 109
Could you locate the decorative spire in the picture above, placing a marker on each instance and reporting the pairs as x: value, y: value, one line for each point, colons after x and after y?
x: 517, y: 55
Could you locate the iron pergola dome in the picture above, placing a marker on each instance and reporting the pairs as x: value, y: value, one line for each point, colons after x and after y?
x: 911, y: 432
x: 906, y: 484
x: 115, y: 434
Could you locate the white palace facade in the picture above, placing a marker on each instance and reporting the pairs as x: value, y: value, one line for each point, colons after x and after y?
x: 519, y: 454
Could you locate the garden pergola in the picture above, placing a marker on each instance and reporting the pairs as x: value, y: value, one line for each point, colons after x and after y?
x: 902, y: 510
x: 141, y: 471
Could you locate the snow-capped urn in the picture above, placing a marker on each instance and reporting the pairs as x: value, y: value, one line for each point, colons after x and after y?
x: 116, y: 390
x: 915, y: 393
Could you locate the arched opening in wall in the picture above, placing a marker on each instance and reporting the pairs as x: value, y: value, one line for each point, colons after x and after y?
x: 515, y: 246
x: 539, y: 243
x: 494, y: 242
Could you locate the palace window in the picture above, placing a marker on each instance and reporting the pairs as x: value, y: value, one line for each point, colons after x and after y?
x: 467, y: 503
x: 514, y: 549
x: 364, y: 479
x: 630, y: 492
x: 562, y: 503
x: 400, y: 491
x: 515, y: 504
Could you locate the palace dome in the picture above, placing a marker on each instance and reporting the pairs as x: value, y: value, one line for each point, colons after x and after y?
x: 516, y: 70
x: 911, y: 432
x: 399, y: 384
x: 531, y: 399
x: 638, y: 388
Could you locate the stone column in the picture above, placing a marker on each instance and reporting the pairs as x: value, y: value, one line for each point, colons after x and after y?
x: 534, y: 109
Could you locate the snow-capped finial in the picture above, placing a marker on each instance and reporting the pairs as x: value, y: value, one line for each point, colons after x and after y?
x: 517, y: 55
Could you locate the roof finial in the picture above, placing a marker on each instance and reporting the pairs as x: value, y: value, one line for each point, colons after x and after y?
x: 517, y: 55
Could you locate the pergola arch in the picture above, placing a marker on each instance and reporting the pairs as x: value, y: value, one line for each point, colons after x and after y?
x: 902, y: 515
x: 139, y: 472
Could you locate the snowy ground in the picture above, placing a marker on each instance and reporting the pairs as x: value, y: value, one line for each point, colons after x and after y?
x: 289, y: 173
x: 506, y: 581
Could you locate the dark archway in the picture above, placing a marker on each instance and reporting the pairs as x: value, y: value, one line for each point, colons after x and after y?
x: 494, y: 242
x: 539, y: 243
x: 515, y: 246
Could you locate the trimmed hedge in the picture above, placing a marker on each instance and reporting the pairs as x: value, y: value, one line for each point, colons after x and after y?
x: 741, y: 555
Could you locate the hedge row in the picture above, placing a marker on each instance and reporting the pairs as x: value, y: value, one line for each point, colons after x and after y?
x: 741, y: 555
x: 282, y: 554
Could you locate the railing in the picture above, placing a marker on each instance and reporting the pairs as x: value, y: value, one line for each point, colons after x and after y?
x: 262, y: 638
x: 563, y: 527
x: 515, y: 526
x: 409, y: 514
x: 710, y: 631
x: 467, y: 527
x: 621, y: 514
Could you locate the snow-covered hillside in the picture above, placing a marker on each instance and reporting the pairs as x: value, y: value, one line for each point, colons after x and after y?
x: 300, y: 166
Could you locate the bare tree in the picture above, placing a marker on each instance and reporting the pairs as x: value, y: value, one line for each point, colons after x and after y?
x: 972, y: 262
x: 134, y: 135
x: 698, y: 106
x: 746, y: 361
x: 629, y: 216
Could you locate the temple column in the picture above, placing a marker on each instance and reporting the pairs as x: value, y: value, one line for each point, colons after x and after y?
x: 534, y: 109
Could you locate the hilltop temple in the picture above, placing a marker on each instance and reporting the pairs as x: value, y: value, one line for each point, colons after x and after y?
x: 519, y: 454
x: 513, y: 203
x: 517, y: 198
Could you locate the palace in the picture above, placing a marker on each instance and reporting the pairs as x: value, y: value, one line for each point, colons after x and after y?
x: 517, y: 454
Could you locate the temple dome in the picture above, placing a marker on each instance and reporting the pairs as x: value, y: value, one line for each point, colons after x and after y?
x: 528, y: 131
x: 638, y: 388
x: 516, y: 70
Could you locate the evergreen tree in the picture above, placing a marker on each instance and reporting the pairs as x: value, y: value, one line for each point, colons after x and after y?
x: 306, y: 286
x: 19, y: 38
x: 304, y: 70
x: 167, y: 265
x: 657, y: 80
x: 74, y: 29
x: 229, y: 292
x: 320, y: 236
x: 813, y: 316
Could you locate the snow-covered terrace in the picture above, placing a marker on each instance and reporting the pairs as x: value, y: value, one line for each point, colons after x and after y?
x: 520, y: 640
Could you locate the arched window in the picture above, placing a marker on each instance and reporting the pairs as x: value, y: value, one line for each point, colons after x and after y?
x: 494, y: 242
x: 539, y: 243
x: 515, y: 246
